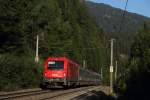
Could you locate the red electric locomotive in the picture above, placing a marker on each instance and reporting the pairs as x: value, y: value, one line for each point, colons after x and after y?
x: 60, y: 71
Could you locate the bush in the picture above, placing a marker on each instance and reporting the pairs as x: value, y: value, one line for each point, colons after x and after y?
x: 18, y: 72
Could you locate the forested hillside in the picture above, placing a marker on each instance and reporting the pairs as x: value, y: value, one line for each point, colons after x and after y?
x: 110, y: 18
x: 64, y: 28
x: 113, y: 25
x: 133, y: 40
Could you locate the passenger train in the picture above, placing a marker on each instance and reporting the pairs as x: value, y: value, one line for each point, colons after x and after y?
x: 60, y: 71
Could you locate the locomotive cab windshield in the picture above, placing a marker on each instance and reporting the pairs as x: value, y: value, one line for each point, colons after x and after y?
x: 55, y: 65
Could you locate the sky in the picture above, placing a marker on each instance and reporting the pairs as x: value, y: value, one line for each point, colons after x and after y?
x: 141, y: 7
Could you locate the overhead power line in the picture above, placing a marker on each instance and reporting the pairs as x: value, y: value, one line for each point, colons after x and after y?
x: 123, y: 16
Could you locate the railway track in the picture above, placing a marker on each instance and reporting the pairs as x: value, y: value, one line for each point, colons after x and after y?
x: 45, y: 94
x: 22, y: 94
x: 55, y: 96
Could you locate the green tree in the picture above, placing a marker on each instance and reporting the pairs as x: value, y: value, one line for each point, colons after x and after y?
x: 137, y: 72
x: 64, y: 27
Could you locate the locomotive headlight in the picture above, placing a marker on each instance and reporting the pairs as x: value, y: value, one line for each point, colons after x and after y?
x: 64, y: 74
x: 45, y: 74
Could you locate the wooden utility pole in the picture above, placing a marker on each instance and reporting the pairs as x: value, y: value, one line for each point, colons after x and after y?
x: 37, y: 50
x: 111, y: 67
x: 83, y: 63
x: 116, y: 70
x: 101, y: 73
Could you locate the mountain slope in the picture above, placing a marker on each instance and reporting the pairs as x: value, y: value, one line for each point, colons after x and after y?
x: 110, y: 20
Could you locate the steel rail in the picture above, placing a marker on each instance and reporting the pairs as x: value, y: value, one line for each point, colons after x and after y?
x: 22, y: 94
x: 67, y: 93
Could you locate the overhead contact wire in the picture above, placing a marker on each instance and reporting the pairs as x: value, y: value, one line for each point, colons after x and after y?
x: 123, y: 16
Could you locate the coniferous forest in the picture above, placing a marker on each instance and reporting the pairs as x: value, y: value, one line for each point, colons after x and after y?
x: 69, y: 28
x: 131, y: 48
x: 64, y: 28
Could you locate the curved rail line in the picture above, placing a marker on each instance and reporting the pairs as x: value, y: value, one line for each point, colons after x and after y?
x: 66, y: 93
x: 22, y: 94
x: 52, y: 94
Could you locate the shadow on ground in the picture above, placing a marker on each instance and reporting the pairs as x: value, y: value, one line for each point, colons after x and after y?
x: 94, y: 95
